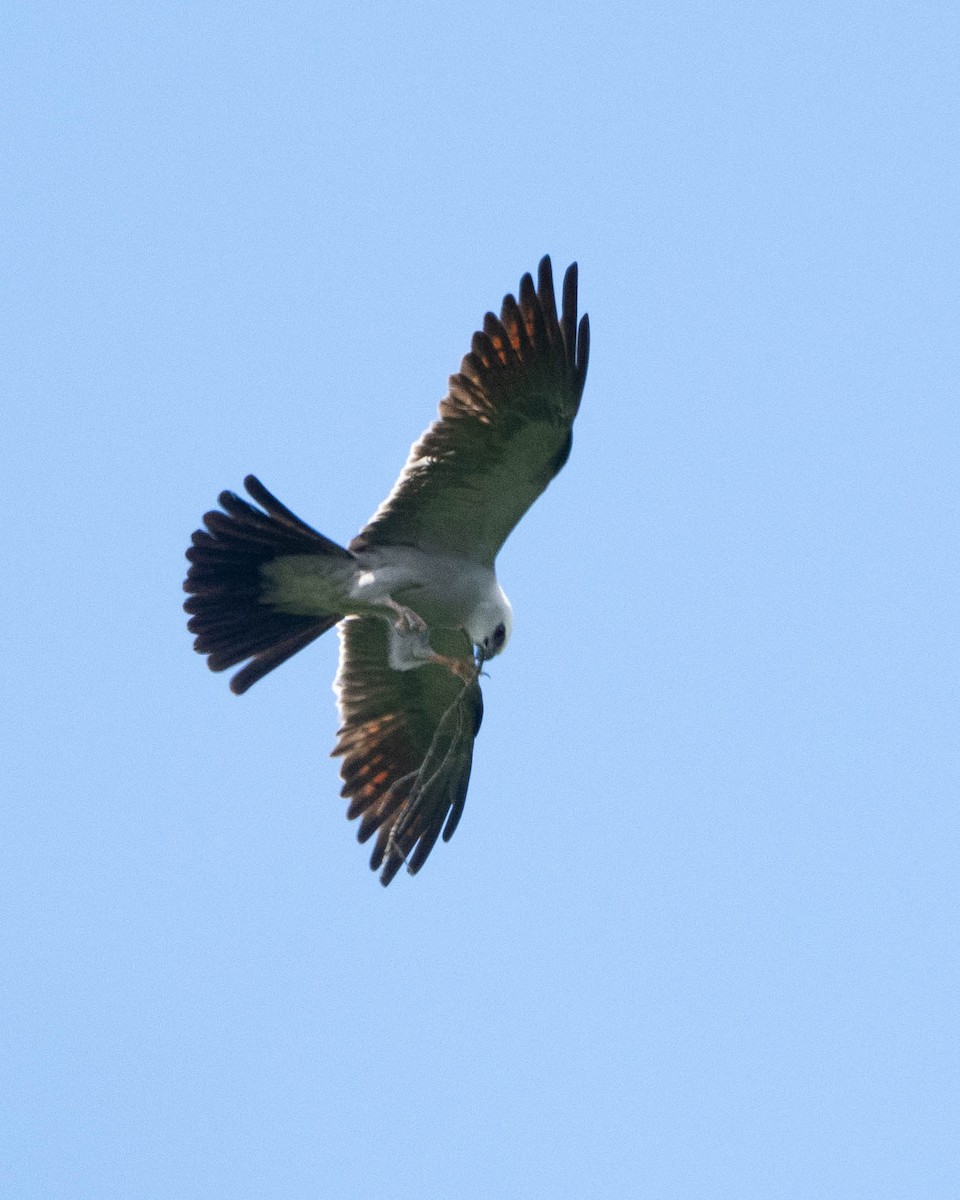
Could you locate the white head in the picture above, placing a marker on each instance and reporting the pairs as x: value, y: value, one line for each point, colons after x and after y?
x: 490, y: 624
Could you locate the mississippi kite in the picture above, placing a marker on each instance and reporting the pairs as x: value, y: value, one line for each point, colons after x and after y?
x: 415, y: 594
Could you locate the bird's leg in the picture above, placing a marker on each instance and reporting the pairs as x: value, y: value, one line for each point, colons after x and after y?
x: 414, y: 635
x: 407, y: 622
x: 409, y: 638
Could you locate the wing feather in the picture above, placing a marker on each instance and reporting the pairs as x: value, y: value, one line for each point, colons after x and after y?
x: 504, y: 429
x: 406, y: 740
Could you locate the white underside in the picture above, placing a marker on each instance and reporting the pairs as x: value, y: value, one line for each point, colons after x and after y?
x: 446, y: 591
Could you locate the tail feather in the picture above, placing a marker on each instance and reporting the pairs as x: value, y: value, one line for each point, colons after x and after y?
x: 230, y: 620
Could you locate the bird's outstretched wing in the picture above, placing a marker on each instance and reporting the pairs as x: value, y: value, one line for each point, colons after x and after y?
x: 406, y: 738
x: 504, y: 429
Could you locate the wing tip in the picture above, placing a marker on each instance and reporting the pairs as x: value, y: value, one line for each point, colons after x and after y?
x: 582, y: 356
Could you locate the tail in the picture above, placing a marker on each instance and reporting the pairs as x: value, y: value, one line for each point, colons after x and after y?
x: 230, y: 620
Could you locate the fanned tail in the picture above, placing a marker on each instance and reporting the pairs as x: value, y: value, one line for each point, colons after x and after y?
x: 230, y: 620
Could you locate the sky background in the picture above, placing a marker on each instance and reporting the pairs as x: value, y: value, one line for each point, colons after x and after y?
x: 697, y: 933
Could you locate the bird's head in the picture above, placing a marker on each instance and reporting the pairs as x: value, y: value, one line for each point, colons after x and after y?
x: 490, y: 626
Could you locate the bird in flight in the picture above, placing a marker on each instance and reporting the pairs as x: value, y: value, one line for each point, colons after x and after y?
x: 415, y: 595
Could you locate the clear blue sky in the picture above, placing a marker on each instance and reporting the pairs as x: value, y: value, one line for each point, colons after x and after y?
x: 696, y: 936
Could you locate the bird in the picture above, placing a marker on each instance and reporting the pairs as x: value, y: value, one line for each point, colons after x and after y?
x: 414, y: 596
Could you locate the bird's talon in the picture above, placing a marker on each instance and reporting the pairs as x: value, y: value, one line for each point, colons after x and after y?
x: 409, y: 622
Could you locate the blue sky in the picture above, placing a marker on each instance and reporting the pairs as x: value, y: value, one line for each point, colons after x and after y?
x: 696, y: 935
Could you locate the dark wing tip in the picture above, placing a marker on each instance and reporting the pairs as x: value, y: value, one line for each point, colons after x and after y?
x: 390, y: 868
x: 568, y: 318
x: 583, y: 348
x: 545, y: 276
